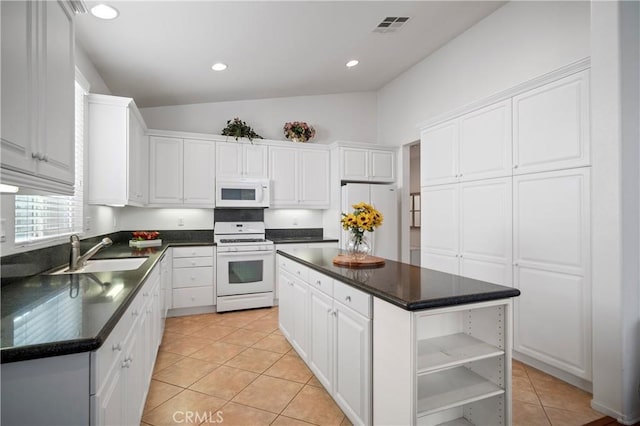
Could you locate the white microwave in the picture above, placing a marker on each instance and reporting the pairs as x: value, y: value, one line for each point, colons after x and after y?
x: 243, y: 193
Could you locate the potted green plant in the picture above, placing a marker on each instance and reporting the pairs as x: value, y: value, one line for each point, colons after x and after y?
x: 239, y: 129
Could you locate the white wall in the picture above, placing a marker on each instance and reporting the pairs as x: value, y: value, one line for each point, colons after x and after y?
x: 615, y: 189
x: 519, y: 41
x: 89, y: 71
x: 347, y: 116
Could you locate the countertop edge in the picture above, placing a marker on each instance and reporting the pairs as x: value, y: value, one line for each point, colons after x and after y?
x: 303, y: 241
x: 67, y: 347
x: 409, y: 306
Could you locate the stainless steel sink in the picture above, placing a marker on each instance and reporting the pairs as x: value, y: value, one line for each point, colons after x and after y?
x: 105, y: 265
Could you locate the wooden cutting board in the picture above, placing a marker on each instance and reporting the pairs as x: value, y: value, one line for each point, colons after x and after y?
x: 346, y: 260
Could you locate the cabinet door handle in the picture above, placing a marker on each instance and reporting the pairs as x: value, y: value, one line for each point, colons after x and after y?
x: 135, y: 313
x: 116, y: 347
x: 319, y: 282
x: 145, y: 294
x: 348, y: 298
x: 193, y: 262
x: 515, y: 166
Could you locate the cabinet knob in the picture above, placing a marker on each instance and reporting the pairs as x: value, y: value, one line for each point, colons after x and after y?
x: 348, y: 298
x: 193, y: 262
x: 515, y: 264
x: 319, y: 282
x: 135, y: 313
x: 333, y: 312
x: 145, y: 294
x: 116, y: 347
x: 515, y: 166
x: 193, y: 298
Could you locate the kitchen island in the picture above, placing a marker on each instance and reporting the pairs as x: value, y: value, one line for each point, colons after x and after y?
x: 400, y: 344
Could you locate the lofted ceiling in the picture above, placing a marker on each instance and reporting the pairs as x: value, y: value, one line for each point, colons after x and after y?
x: 161, y: 52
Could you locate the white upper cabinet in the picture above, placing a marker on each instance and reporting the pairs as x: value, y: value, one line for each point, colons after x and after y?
x: 182, y: 172
x: 299, y: 177
x: 474, y: 146
x: 38, y: 95
x: 551, y: 126
x: 118, y: 164
x: 166, y: 177
x: 241, y: 159
x: 367, y: 165
x: 199, y: 173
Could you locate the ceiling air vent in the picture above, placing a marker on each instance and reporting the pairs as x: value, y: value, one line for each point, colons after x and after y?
x: 390, y: 24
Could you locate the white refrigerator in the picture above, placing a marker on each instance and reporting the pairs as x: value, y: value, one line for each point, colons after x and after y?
x: 385, y: 241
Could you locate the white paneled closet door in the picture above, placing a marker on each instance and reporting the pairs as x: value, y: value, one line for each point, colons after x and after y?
x: 552, y: 268
x: 439, y: 154
x: 485, y: 230
x: 551, y: 126
x: 439, y: 231
x: 485, y: 143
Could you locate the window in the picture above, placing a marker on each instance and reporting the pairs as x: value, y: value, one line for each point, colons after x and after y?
x: 45, y: 217
x: 415, y: 210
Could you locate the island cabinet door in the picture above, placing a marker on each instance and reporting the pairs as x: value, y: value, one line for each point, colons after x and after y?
x: 321, y: 337
x: 352, y: 373
x: 300, y: 338
x: 285, y: 313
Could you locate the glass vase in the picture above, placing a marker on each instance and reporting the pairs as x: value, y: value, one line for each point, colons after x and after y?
x: 358, y: 247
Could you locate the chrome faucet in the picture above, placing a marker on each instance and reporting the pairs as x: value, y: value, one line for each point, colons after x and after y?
x: 75, y: 260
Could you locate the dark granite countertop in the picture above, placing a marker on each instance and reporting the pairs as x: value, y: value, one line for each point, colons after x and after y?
x: 50, y: 315
x: 303, y: 240
x: 407, y: 286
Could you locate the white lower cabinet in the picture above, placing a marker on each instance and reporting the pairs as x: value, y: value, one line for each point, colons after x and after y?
x: 445, y: 366
x: 193, y: 277
x: 352, y: 357
x: 329, y: 325
x: 122, y: 367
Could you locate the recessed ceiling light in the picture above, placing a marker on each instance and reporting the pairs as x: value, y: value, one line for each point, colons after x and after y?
x: 352, y: 63
x: 219, y: 66
x: 104, y: 11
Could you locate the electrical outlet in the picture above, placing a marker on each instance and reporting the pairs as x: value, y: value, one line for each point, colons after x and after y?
x: 295, y: 220
x: 181, y: 221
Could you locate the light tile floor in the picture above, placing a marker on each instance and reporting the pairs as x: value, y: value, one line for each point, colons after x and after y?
x: 236, y: 368
x: 542, y: 400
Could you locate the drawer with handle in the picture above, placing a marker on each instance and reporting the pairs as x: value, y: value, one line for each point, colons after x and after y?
x: 294, y: 268
x: 192, y: 297
x: 321, y: 282
x: 193, y: 277
x: 193, y: 251
x: 352, y: 297
x: 190, y: 262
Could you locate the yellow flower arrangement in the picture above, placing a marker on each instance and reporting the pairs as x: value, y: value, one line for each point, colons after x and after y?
x: 364, y: 218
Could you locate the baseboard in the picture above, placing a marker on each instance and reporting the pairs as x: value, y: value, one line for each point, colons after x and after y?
x: 555, y: 372
x: 180, y: 312
x: 620, y: 418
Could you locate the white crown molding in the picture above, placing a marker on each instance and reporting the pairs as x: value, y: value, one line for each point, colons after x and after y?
x: 557, y: 74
